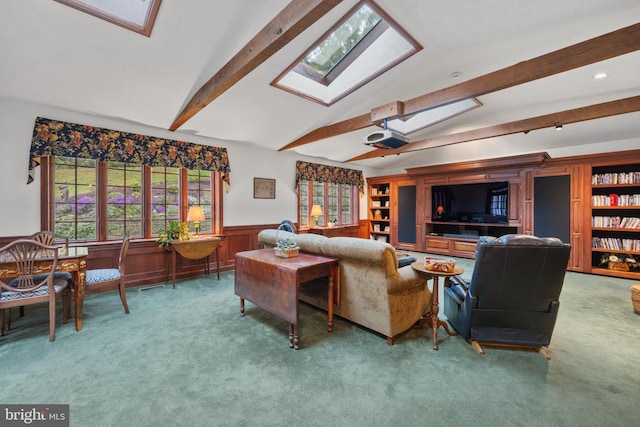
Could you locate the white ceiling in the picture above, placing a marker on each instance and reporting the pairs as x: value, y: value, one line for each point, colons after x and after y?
x: 55, y: 55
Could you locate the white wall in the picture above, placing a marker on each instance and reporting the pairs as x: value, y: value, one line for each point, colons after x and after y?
x: 20, y: 203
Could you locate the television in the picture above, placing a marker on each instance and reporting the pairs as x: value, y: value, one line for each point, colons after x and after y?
x: 486, y: 202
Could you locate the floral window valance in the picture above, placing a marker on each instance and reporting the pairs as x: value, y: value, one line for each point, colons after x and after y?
x: 54, y: 138
x: 322, y: 173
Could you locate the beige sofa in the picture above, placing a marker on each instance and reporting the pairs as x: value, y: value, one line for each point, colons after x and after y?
x: 374, y: 292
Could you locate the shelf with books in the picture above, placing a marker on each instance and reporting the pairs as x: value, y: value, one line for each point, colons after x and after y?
x: 379, y: 200
x: 615, y: 220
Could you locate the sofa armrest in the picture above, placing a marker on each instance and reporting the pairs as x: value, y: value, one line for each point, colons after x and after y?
x: 406, y: 278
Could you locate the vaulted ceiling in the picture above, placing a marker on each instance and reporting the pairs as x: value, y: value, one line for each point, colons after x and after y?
x: 530, y: 64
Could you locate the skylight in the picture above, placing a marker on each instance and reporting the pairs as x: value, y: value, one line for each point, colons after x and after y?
x: 135, y: 15
x: 335, y: 48
x: 362, y: 45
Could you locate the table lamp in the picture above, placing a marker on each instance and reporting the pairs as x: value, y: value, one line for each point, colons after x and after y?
x: 316, y: 211
x: 196, y: 214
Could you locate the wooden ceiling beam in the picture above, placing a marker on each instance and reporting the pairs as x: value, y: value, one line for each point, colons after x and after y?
x: 296, y: 17
x: 610, y: 45
x: 597, y: 111
x: 346, y: 126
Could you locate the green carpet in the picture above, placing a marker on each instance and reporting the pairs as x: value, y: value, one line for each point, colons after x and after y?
x: 185, y: 357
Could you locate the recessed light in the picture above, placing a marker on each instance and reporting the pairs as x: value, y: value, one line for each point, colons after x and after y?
x: 600, y: 76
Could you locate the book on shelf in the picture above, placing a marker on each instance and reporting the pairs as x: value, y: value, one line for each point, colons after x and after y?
x: 615, y: 222
x: 615, y: 178
x: 615, y: 200
x: 612, y: 243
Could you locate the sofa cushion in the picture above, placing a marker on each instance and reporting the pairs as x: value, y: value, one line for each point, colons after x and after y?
x: 309, y: 243
x: 363, y: 252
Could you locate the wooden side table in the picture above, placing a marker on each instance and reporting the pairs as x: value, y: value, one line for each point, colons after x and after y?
x: 435, y: 306
x: 198, y: 248
x: 272, y: 283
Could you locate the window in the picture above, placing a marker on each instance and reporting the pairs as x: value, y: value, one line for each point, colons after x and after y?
x: 363, y: 45
x: 124, y: 199
x: 338, y: 202
x: 199, y: 193
x: 98, y: 201
x: 74, y: 206
x: 165, y: 197
x: 134, y: 15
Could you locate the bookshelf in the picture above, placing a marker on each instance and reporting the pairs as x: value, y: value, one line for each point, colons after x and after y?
x: 615, y: 220
x: 380, y: 211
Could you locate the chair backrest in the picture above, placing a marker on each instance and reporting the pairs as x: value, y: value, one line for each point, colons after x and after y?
x: 25, y: 253
x: 49, y: 238
x: 519, y: 272
x: 289, y: 226
x: 123, y: 252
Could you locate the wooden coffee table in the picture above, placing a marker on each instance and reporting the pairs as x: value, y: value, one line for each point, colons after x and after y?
x: 435, y: 306
x: 272, y: 283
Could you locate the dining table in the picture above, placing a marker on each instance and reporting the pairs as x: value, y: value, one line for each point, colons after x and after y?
x: 70, y: 259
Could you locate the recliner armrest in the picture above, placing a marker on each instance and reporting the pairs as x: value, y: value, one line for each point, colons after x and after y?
x: 457, y: 280
x: 455, y: 296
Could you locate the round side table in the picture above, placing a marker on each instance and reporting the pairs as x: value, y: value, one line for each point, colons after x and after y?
x: 435, y: 306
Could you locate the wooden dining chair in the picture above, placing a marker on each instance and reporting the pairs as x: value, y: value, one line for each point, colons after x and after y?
x: 48, y: 238
x: 30, y: 286
x: 109, y: 279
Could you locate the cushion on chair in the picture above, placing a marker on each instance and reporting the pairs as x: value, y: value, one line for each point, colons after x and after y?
x: 102, y: 275
x: 41, y: 291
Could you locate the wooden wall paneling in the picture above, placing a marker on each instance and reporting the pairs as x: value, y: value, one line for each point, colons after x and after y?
x: 527, y: 202
x: 578, y: 201
x: 515, y: 214
x: 393, y: 237
x: 242, y: 238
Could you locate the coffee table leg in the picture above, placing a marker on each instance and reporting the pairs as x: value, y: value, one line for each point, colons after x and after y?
x: 290, y: 335
x: 332, y: 290
x: 296, y: 336
x: 242, y: 307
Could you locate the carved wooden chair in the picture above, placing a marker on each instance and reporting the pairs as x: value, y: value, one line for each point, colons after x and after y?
x: 48, y: 238
x: 30, y: 285
x: 110, y: 279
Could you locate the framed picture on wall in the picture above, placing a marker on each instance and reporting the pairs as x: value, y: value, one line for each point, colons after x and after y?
x: 264, y: 188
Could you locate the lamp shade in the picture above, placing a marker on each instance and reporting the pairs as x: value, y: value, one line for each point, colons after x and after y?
x: 195, y: 214
x: 316, y: 210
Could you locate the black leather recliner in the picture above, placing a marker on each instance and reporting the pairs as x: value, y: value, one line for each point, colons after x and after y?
x: 512, y: 297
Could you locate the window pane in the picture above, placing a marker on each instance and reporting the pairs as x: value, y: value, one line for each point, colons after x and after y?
x: 318, y: 199
x: 199, y: 194
x: 346, y: 216
x: 124, y: 199
x: 332, y: 202
x: 75, y: 198
x: 303, y: 203
x: 165, y: 197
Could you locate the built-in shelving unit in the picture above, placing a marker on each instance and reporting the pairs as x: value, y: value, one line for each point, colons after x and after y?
x: 615, y: 220
x: 380, y: 211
